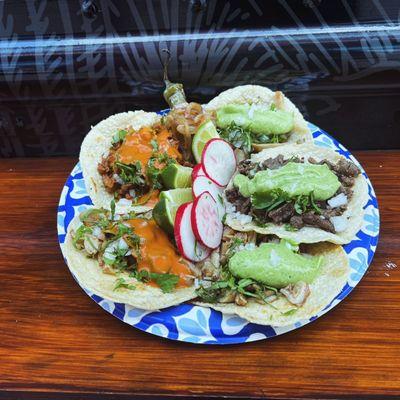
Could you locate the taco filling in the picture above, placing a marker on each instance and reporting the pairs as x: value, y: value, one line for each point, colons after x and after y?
x: 131, y: 248
x: 296, y: 192
x: 132, y: 169
x: 261, y: 268
x: 247, y: 124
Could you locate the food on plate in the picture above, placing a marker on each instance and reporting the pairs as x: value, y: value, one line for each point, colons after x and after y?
x: 165, y: 210
x: 228, y: 203
x: 205, y: 133
x: 184, y: 119
x: 300, y: 192
x: 274, y: 282
x: 254, y: 117
x: 128, y: 258
x: 123, y: 156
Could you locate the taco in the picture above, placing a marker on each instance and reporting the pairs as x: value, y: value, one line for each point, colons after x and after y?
x: 255, y: 116
x: 122, y: 158
x: 299, y: 192
x: 272, y: 282
x: 128, y: 259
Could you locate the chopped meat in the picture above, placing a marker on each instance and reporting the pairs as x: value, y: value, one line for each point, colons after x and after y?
x: 245, y: 167
x: 273, y: 163
x: 296, y: 293
x: 346, y: 180
x: 296, y: 221
x: 343, y: 168
x: 109, y: 183
x: 282, y: 214
x: 240, y: 299
x: 333, y: 212
x: 346, y: 171
x: 242, y: 204
x: 244, y: 207
x: 310, y: 218
x: 346, y: 168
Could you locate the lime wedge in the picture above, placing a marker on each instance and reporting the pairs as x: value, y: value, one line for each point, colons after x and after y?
x: 206, y: 132
x: 177, y: 176
x: 165, y: 210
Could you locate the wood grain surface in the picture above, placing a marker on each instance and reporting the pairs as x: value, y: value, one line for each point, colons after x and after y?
x: 55, y: 342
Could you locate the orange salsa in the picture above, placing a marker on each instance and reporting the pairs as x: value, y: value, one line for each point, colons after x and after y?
x: 157, y: 252
x: 138, y: 146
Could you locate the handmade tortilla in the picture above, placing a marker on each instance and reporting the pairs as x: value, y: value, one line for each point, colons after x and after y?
x: 326, y: 286
x: 354, y: 212
x: 97, y: 144
x: 90, y: 276
x: 255, y: 94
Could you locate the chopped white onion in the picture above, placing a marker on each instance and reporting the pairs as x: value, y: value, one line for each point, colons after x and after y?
x: 247, y: 246
x: 132, y: 192
x: 123, y: 206
x: 340, y: 223
x: 274, y: 258
x: 118, y: 179
x: 96, y: 231
x: 337, y: 201
x: 250, y: 114
x: 110, y: 250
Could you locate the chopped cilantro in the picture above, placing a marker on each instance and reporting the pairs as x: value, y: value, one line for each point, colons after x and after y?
x: 119, y: 136
x: 121, y: 283
x: 290, y: 228
x: 237, y: 136
x: 131, y: 173
x: 166, y: 282
x: 112, y: 206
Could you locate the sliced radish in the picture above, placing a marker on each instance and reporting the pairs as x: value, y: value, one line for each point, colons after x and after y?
x: 186, y: 242
x: 202, y: 184
x: 197, y: 171
x: 206, y: 224
x: 219, y: 161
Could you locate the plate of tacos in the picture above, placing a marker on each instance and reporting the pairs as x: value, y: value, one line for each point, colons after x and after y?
x: 218, y: 223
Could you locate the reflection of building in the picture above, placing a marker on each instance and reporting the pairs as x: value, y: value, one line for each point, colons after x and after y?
x: 63, y: 71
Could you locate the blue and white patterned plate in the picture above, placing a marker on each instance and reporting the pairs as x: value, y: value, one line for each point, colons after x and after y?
x: 190, y: 323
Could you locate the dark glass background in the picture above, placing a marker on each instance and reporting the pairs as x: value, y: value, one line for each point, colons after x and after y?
x: 65, y: 65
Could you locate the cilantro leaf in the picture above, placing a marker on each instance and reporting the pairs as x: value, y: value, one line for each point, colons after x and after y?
x: 237, y: 136
x: 166, y: 282
x: 131, y: 173
x: 270, y: 200
x: 112, y: 206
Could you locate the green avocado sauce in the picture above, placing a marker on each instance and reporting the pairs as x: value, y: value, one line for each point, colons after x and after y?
x: 275, y: 265
x: 257, y: 119
x: 293, y: 178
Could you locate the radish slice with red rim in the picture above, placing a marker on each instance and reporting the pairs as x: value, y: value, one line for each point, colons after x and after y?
x: 186, y: 242
x: 203, y: 184
x: 219, y: 161
x: 206, y: 223
x: 197, y: 171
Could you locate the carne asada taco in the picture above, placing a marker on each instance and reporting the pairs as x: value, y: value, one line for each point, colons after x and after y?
x: 299, y: 192
x: 128, y: 259
x: 255, y: 116
x: 122, y: 158
x: 272, y: 282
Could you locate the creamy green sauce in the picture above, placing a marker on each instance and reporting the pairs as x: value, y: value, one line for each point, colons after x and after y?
x: 293, y: 178
x: 257, y: 119
x: 275, y: 265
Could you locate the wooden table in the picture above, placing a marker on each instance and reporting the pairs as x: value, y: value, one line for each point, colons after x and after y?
x: 55, y: 342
